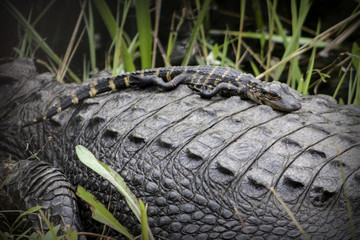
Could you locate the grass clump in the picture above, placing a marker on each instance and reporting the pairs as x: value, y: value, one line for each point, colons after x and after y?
x: 99, y: 211
x: 53, y: 232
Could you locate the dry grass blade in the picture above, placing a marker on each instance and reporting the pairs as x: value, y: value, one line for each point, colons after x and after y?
x: 271, y: 13
x: 288, y: 211
x: 310, y: 45
x: 340, y: 38
x: 156, y: 30
x: 242, y: 16
x: 70, y: 49
x: 43, y: 12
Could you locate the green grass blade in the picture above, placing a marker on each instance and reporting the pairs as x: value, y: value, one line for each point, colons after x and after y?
x: 171, y: 40
x: 173, y: 35
x: 23, y: 235
x: 254, y: 68
x: 352, y: 88
x: 258, y: 14
x: 107, y: 17
x: 117, y: 67
x: 3, y: 236
x: 297, y: 25
x: 341, y: 81
x: 89, y: 22
x: 29, y: 211
x: 144, y: 28
x: 282, y: 33
x: 109, y: 174
x: 357, y: 81
x: 305, y: 88
x: 111, y: 25
x: 100, y: 213
x: 24, y: 49
x: 355, y: 59
x: 144, y: 222
x: 271, y: 13
x: 86, y: 69
x: 202, y: 31
x: 225, y: 49
x: 195, y: 32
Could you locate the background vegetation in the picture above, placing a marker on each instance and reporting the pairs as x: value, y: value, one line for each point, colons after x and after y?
x: 311, y: 47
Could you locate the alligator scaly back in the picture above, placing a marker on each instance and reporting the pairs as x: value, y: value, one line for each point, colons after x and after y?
x: 206, y: 80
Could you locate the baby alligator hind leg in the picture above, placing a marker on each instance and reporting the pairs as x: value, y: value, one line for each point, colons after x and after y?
x: 157, y: 81
x: 222, y: 87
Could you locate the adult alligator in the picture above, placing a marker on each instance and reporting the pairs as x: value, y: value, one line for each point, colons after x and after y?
x: 205, y: 167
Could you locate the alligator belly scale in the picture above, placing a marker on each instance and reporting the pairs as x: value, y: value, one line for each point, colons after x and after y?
x: 206, y: 80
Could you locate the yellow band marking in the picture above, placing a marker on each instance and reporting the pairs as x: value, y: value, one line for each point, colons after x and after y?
x: 209, y: 76
x: 198, y: 82
x: 229, y: 84
x: 126, y: 80
x: 225, y: 73
x: 93, y: 91
x: 58, y: 108
x: 142, y: 73
x: 194, y: 76
x: 74, y: 98
x: 217, y: 80
x: 237, y: 79
x: 157, y: 72
x: 168, y: 76
x: 112, y: 84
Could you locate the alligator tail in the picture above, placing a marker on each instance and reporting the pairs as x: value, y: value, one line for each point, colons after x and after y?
x: 87, y: 91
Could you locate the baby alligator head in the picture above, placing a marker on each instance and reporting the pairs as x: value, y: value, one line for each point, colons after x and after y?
x: 277, y: 95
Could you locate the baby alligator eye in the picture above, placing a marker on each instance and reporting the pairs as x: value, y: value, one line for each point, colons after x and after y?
x: 274, y: 95
x: 270, y: 94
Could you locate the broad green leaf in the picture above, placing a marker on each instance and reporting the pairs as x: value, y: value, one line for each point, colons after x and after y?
x: 3, y: 235
x: 100, y: 213
x: 109, y: 174
x: 52, y: 233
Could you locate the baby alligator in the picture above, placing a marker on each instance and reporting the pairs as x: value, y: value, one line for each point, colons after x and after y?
x: 206, y: 80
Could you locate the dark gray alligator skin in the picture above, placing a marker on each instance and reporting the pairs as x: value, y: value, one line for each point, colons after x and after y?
x: 203, y: 166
